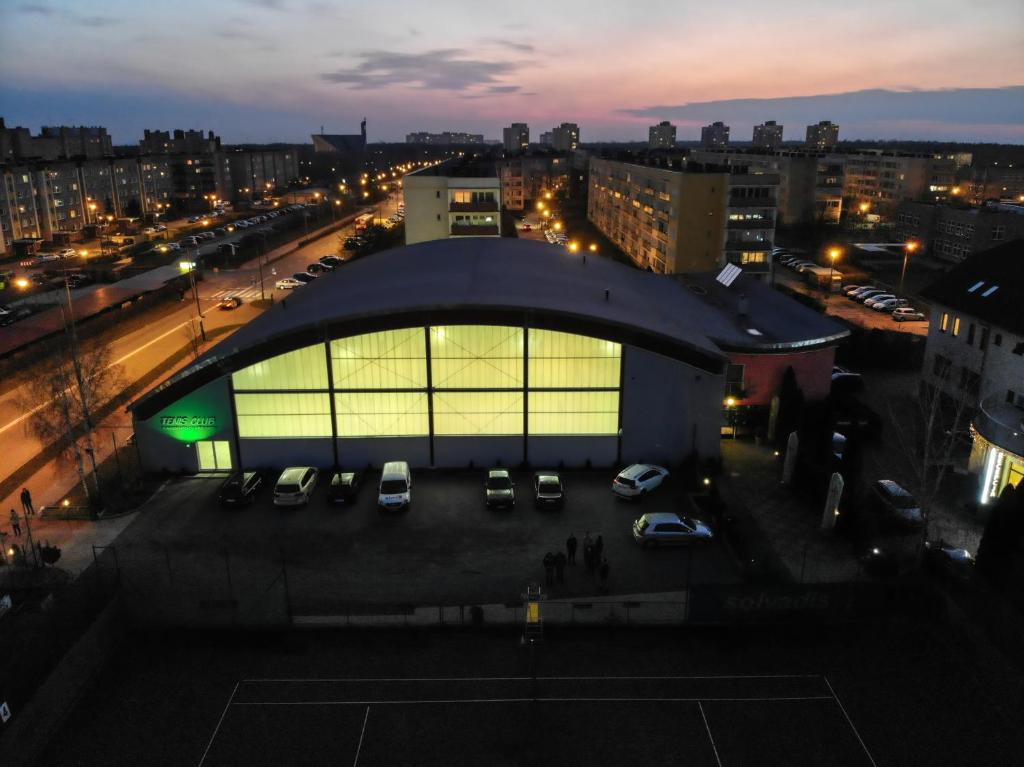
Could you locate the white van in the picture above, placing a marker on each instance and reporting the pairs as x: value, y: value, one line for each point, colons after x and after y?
x: 395, y: 486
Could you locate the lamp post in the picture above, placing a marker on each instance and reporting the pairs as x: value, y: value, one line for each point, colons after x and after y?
x: 908, y: 247
x: 191, y: 266
x: 833, y: 254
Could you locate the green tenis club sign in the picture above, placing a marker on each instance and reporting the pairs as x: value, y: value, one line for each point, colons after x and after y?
x: 195, y: 417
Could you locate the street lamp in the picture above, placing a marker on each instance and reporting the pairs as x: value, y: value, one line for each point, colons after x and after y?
x: 593, y: 247
x: 833, y: 254
x: 908, y: 247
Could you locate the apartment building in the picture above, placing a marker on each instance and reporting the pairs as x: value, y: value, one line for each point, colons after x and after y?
x: 516, y: 137
x: 457, y: 198
x: 992, y: 182
x: 445, y: 138
x: 524, y: 178
x: 53, y: 143
x: 975, y: 356
x: 767, y: 136
x: 257, y: 172
x: 953, y: 233
x: 822, y: 137
x: 566, y: 137
x: 682, y: 218
x: 884, y: 179
x: 810, y: 183
x: 714, y: 135
x: 661, y: 136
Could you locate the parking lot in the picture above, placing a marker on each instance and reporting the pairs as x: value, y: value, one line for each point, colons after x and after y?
x: 446, y: 549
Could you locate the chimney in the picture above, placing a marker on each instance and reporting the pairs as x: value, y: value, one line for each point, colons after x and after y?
x: 607, y: 295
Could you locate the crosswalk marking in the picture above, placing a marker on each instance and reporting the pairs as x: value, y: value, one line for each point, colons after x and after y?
x: 246, y: 294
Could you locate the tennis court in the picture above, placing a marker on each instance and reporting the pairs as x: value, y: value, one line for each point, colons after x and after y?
x: 717, y: 721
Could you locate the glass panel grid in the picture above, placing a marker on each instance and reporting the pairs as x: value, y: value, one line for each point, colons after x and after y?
x: 476, y: 357
x: 478, y: 413
x: 303, y: 368
x: 283, y: 415
x: 382, y: 414
x: 574, y: 412
x: 392, y: 359
x: 568, y: 361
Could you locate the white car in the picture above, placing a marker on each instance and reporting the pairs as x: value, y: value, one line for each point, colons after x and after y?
x: 638, y: 480
x: 667, y: 529
x: 907, y: 313
x: 295, y: 485
x: 891, y: 305
x: 877, y: 299
x: 288, y: 283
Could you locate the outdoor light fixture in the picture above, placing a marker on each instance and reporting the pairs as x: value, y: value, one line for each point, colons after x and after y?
x: 707, y: 481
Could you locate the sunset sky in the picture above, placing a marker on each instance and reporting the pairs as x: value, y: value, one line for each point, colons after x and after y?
x: 261, y: 70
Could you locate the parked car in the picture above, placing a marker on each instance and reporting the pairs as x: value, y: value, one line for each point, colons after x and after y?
x: 667, y: 529
x: 890, y: 305
x: 288, y: 283
x: 395, y: 490
x: 855, y: 293
x: 548, y: 492
x: 240, y: 488
x: 318, y: 269
x: 949, y: 560
x: 898, y: 503
x: 331, y: 261
x: 229, y: 302
x: 862, y: 297
x: 188, y: 242
x: 344, y: 487
x: 846, y: 380
x: 907, y: 313
x: 304, y: 277
x: 499, y: 490
x: 848, y: 289
x: 878, y: 298
x: 639, y: 479
x: 295, y: 485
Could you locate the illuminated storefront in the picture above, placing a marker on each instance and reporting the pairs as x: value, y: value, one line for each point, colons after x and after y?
x: 997, y: 456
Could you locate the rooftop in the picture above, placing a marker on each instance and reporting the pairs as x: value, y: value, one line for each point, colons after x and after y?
x: 510, y: 281
x: 460, y: 167
x: 987, y: 285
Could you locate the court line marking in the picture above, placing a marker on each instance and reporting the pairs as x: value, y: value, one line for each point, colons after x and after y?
x: 362, y: 734
x: 850, y: 722
x: 529, y: 679
x: 521, y: 700
x: 219, y: 723
x: 711, y: 737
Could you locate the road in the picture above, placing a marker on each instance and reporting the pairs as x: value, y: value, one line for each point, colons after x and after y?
x: 142, y: 350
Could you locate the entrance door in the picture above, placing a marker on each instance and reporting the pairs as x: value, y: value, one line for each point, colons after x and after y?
x: 214, y: 455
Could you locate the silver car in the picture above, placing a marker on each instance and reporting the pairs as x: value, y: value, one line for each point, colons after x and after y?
x: 667, y: 529
x: 295, y: 485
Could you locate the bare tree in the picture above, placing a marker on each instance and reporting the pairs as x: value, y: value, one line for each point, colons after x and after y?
x: 927, y: 430
x: 68, y: 389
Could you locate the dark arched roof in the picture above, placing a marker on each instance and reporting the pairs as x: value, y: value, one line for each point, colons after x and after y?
x: 501, y: 281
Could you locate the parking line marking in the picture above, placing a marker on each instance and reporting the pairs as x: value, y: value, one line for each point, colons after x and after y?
x: 524, y: 700
x: 258, y: 680
x: 850, y: 722
x: 711, y: 737
x: 362, y: 734
x: 219, y: 723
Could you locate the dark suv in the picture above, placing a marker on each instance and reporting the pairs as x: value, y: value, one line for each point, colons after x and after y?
x: 344, y: 487
x: 240, y: 488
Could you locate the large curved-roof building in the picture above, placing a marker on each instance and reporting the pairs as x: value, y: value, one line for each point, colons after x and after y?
x: 457, y: 351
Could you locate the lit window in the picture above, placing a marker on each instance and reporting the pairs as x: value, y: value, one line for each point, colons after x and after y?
x: 478, y: 413
x: 382, y: 414
x: 277, y: 415
x: 392, y: 359
x: 956, y: 326
x: 564, y: 360
x: 300, y: 369
x: 944, y: 324
x: 476, y: 357
x: 574, y: 412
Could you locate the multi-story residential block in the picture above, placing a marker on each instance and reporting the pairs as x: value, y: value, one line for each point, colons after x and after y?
x: 993, y: 182
x: 883, y: 179
x: 685, y: 218
x: 53, y: 143
x: 954, y: 232
x: 257, y: 172
x: 457, y: 198
x: 714, y: 135
x: 516, y: 137
x: 566, y: 137
x: 822, y: 137
x: 768, y: 135
x: 524, y: 179
x: 661, y: 136
x: 546, y: 138
x: 444, y: 138
x: 975, y: 357
x: 810, y: 183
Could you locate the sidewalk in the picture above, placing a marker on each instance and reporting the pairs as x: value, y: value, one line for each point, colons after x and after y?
x: 751, y: 481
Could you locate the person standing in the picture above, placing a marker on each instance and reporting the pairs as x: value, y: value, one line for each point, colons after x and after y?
x: 603, y: 573
x: 570, y: 548
x: 598, y: 549
x: 588, y: 551
x: 560, y: 561
x: 15, y: 524
x: 549, y: 568
x: 26, y: 503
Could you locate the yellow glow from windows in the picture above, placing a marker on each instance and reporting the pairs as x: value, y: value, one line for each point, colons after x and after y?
x: 476, y: 357
x: 564, y: 360
x: 382, y: 414
x: 574, y: 412
x: 301, y: 369
x: 392, y: 359
x: 478, y: 413
x: 283, y: 415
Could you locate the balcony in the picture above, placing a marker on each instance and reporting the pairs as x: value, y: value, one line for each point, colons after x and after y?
x: 485, y: 206
x: 475, y: 230
x: 764, y: 223
x: 751, y: 202
x: 751, y: 246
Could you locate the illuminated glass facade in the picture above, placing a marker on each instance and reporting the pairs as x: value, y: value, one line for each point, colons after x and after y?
x: 451, y: 380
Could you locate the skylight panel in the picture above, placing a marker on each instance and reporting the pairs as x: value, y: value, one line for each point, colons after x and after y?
x: 975, y: 286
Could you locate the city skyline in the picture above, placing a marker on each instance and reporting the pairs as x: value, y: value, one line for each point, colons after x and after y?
x: 278, y: 70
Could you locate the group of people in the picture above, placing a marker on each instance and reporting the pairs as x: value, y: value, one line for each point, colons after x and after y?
x: 593, y: 559
x: 27, y: 509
